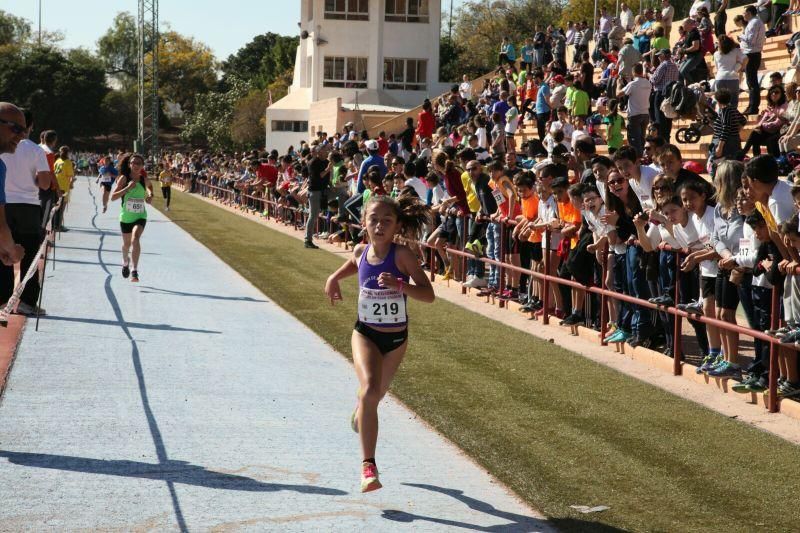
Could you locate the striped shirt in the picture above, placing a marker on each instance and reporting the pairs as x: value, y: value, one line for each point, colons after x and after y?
x: 666, y: 73
x: 728, y: 123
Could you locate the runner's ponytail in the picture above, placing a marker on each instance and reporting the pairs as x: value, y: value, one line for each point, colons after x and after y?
x: 412, y: 214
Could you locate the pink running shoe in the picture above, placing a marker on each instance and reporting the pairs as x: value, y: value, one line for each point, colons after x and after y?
x: 369, y: 477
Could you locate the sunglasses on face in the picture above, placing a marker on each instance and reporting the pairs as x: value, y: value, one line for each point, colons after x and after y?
x: 16, y: 128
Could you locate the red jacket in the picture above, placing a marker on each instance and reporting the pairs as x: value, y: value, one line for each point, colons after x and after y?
x: 425, y: 124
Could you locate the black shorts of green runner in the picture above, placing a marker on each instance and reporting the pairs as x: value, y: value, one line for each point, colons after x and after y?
x: 127, y: 227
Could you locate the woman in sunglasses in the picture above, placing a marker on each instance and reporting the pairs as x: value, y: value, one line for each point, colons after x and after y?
x: 770, y: 122
x: 622, y: 205
x: 135, y: 190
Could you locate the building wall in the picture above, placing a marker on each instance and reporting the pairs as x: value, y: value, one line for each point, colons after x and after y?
x: 374, y: 39
x: 281, y: 140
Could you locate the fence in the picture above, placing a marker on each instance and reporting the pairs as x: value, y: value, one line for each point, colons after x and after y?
x: 271, y: 208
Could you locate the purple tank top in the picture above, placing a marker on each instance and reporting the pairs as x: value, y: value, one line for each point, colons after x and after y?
x: 380, y: 306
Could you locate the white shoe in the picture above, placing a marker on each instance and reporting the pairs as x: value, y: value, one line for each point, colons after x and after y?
x: 167, y: 209
x: 323, y: 235
x: 470, y: 283
x: 479, y: 283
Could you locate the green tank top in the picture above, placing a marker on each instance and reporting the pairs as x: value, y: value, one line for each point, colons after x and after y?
x: 133, y: 205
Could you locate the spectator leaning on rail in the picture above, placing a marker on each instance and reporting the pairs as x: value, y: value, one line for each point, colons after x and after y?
x: 27, y: 171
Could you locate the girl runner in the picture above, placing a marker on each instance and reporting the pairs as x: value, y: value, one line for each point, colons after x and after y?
x: 380, y: 338
x: 135, y: 190
x: 166, y: 184
x: 108, y: 174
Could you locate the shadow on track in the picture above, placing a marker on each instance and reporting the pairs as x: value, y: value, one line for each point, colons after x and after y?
x: 517, y: 522
x: 156, y: 290
x: 132, y: 325
x: 170, y: 471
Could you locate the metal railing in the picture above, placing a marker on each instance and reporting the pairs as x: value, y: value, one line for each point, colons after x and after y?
x: 272, y: 208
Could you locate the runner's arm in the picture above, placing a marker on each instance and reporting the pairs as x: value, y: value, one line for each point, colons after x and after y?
x: 421, y: 289
x: 149, y: 186
x: 119, y: 191
x: 350, y: 268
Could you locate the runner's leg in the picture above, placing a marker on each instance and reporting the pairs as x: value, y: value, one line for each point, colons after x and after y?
x: 126, y: 246
x: 369, y: 369
x: 136, y: 248
x: 391, y: 362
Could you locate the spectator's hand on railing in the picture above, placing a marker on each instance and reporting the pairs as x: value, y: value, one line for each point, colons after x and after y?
x: 611, y: 218
x: 690, y: 262
x: 787, y: 267
x: 729, y: 263
x: 12, y: 256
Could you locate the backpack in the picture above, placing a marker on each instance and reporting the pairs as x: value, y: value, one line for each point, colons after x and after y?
x: 682, y: 99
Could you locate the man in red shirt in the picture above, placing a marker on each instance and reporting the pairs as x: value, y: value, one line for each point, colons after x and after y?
x: 268, y: 171
x: 383, y: 144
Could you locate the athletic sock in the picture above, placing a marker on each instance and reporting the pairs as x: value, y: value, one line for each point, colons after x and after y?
x: 370, y: 460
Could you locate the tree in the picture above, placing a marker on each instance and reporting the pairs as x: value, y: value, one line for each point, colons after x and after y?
x: 247, y: 121
x: 117, y: 49
x: 120, y: 114
x: 64, y: 91
x: 186, y: 68
x: 13, y: 30
x: 481, y: 25
x: 452, y: 61
x: 211, y: 117
x: 262, y: 60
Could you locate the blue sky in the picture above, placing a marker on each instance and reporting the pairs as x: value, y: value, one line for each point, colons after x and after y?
x: 224, y: 25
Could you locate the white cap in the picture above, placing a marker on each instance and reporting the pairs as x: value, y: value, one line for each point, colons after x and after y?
x: 371, y: 145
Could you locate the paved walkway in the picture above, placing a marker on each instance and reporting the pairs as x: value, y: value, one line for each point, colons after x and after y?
x: 191, y: 402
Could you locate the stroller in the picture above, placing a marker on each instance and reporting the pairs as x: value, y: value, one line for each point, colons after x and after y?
x: 692, y: 103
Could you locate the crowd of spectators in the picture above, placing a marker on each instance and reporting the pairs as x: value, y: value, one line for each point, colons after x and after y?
x: 32, y: 179
x: 600, y: 187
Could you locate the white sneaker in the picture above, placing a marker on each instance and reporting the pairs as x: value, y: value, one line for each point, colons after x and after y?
x: 479, y: 283
x: 470, y: 283
x: 323, y: 235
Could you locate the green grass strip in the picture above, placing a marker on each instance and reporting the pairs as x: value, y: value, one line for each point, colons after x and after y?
x: 557, y: 428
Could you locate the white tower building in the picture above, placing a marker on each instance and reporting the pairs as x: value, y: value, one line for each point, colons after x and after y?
x: 358, y: 60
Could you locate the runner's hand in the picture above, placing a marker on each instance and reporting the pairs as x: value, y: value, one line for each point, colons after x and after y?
x: 332, y: 290
x: 388, y: 281
x: 149, y: 199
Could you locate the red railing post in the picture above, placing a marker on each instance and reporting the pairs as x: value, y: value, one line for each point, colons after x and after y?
x: 464, y: 261
x: 772, y: 401
x: 603, y: 297
x: 433, y: 263
x: 677, y: 329
x: 501, y: 286
x: 546, y: 279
